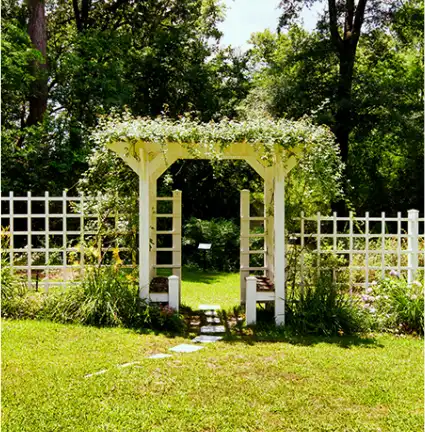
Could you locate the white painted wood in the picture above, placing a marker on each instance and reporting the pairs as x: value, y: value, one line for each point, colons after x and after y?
x: 144, y: 234
x: 11, y: 232
x: 177, y: 236
x: 174, y: 292
x: 293, y: 159
x: 265, y: 296
x: 257, y: 166
x: 160, y: 163
x: 244, y: 243
x: 280, y: 249
x: 350, y: 263
x: 302, y: 253
x: 29, y: 241
x: 269, y: 223
x: 381, y: 265
x: 251, y: 300
x: 412, y: 245
x: 399, y: 242
x: 122, y: 149
x: 158, y: 297
x: 46, y: 242
x: 82, y: 238
x: 248, y: 269
x: 367, y: 249
x: 383, y: 245
x: 152, y: 227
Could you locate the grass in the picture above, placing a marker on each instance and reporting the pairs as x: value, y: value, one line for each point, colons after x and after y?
x: 309, y: 384
x: 210, y: 288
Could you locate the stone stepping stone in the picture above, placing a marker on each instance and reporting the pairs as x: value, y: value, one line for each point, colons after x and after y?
x: 213, y: 320
x: 159, y: 356
x: 96, y: 373
x: 185, y: 348
x: 213, y: 329
x: 209, y: 307
x: 128, y: 364
x: 206, y: 339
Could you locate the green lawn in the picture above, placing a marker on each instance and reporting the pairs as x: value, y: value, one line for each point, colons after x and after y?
x: 210, y: 288
x: 313, y: 384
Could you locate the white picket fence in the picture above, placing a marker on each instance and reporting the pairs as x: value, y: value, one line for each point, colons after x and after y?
x: 45, y: 238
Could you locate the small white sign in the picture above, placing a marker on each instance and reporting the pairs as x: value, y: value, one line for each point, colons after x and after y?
x: 205, y: 246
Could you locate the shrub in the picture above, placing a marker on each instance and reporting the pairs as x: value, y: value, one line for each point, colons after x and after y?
x: 395, y: 306
x: 16, y: 300
x: 162, y: 317
x: 106, y: 297
x: 224, y: 237
x: 323, y: 309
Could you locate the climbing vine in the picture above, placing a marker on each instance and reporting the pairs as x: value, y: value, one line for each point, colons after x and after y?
x: 317, y: 156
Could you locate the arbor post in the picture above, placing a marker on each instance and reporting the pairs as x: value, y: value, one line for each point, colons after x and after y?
x: 269, y: 225
x: 174, y: 292
x: 244, y: 242
x: 279, y: 245
x: 177, y: 239
x: 152, y: 226
x: 144, y: 219
x: 251, y: 300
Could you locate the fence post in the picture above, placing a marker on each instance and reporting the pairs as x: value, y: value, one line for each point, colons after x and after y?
x: 412, y: 244
x: 173, y: 292
x: 46, y: 241
x: 11, y: 232
x: 244, y: 242
x: 29, y: 240
x: 251, y: 300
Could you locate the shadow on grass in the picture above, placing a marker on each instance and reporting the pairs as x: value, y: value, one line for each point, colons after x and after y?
x: 269, y: 333
x: 279, y: 335
x: 201, y: 277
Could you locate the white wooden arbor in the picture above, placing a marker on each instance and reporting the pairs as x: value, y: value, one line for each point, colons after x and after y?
x: 150, y: 160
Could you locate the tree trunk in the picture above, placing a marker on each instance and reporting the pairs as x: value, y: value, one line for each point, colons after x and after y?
x: 344, y: 113
x: 38, y: 35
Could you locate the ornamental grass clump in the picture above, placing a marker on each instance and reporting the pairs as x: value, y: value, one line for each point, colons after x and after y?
x: 109, y: 298
x: 324, y: 309
x: 104, y: 298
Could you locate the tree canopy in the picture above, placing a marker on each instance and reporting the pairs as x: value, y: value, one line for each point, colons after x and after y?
x: 67, y: 65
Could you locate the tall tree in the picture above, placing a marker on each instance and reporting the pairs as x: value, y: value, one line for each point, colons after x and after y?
x: 38, y: 35
x: 344, y: 23
x: 296, y: 74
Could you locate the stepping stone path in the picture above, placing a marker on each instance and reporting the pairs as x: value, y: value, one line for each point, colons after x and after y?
x: 159, y: 356
x: 209, y: 316
x: 185, y: 348
x: 206, y: 339
x: 214, y: 325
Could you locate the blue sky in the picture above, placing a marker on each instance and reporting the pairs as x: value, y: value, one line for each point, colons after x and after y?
x: 244, y: 17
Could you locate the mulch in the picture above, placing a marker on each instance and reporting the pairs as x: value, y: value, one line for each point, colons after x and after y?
x: 159, y: 284
x: 264, y: 284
